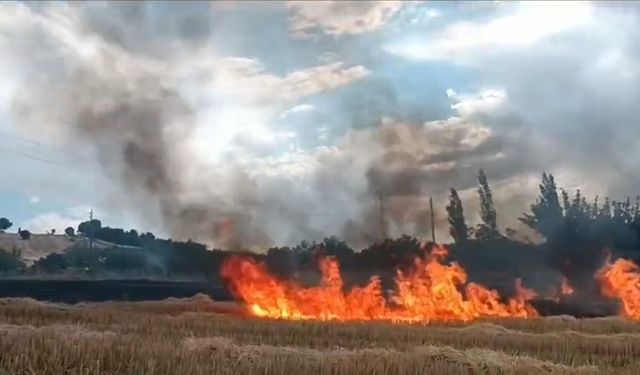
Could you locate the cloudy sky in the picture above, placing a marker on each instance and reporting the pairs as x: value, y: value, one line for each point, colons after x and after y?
x: 251, y: 124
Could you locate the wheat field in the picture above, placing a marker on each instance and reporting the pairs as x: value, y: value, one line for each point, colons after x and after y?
x: 199, y: 336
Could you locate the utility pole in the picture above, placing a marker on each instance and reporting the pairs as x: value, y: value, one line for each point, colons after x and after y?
x: 383, y: 226
x: 91, y: 229
x: 433, y: 223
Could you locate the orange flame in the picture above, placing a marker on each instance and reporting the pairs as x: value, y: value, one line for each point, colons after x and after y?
x: 432, y: 291
x: 565, y: 287
x: 621, y: 280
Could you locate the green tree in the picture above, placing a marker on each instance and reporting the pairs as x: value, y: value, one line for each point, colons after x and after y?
x: 489, y: 227
x: 605, y: 211
x: 90, y: 227
x: 52, y: 263
x: 25, y: 234
x: 281, y: 261
x: 546, y: 214
x: 333, y: 246
x: 11, y: 261
x: 566, y: 204
x: 457, y: 225
x: 5, y: 224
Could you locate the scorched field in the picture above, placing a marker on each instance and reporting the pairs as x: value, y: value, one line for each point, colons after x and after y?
x: 200, y: 336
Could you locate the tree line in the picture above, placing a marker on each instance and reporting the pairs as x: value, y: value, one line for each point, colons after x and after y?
x: 574, y: 231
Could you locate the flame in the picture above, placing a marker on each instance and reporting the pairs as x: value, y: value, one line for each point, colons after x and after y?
x: 621, y: 280
x: 565, y: 287
x: 431, y: 291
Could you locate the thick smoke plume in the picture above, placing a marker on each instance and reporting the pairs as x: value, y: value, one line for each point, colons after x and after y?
x: 104, y: 85
x: 127, y: 79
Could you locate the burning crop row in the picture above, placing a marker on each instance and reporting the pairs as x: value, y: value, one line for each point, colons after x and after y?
x: 432, y: 291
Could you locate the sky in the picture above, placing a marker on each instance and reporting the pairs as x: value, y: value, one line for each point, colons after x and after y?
x: 249, y: 124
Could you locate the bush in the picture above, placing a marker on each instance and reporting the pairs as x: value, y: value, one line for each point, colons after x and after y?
x: 11, y: 261
x: 52, y: 263
x: 25, y: 234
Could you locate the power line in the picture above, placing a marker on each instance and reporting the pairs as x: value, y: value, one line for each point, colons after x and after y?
x: 44, y: 145
x: 41, y: 160
x: 35, y: 142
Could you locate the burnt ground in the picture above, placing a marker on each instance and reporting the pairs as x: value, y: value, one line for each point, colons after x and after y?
x: 74, y: 291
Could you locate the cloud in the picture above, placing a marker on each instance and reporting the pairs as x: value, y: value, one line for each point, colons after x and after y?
x: 44, y: 222
x: 72, y: 216
x: 572, y: 86
x: 301, y: 108
x: 339, y: 17
x: 246, y: 80
x: 485, y: 101
x: 433, y: 13
x: 34, y: 200
x: 529, y: 23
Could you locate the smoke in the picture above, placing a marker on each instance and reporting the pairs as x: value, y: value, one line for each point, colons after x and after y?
x: 106, y: 86
x: 187, y: 133
x: 119, y: 90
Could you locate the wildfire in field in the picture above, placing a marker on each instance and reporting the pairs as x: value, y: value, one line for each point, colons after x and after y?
x: 431, y: 291
x: 621, y: 280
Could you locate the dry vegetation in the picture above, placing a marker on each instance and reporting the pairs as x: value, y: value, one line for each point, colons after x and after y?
x: 39, y: 245
x: 193, y: 337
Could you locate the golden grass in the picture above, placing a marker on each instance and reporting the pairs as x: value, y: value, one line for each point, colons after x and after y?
x: 192, y: 337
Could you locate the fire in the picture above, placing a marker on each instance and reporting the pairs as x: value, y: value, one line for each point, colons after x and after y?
x: 565, y: 287
x: 621, y: 280
x: 431, y: 291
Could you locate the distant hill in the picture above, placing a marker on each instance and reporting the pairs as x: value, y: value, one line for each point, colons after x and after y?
x: 41, y: 245
x: 38, y: 246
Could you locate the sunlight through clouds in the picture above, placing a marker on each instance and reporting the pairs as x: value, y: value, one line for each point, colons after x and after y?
x: 529, y: 23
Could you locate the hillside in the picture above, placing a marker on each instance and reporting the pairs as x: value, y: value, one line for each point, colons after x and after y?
x: 39, y: 245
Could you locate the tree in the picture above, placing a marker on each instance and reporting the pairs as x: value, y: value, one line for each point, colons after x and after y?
x: 605, y: 211
x: 5, y: 224
x: 489, y: 227
x: 11, y: 261
x: 333, y: 246
x: 90, y: 227
x: 52, y: 263
x: 25, y: 234
x: 566, y: 205
x: 389, y: 254
x: 70, y: 231
x: 457, y: 226
x: 281, y: 261
x: 546, y: 214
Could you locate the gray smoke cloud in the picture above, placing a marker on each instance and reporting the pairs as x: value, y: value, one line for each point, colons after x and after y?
x: 106, y: 83
x: 115, y: 76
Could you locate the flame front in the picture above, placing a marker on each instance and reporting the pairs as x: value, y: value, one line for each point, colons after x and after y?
x: 432, y: 291
x: 621, y: 280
